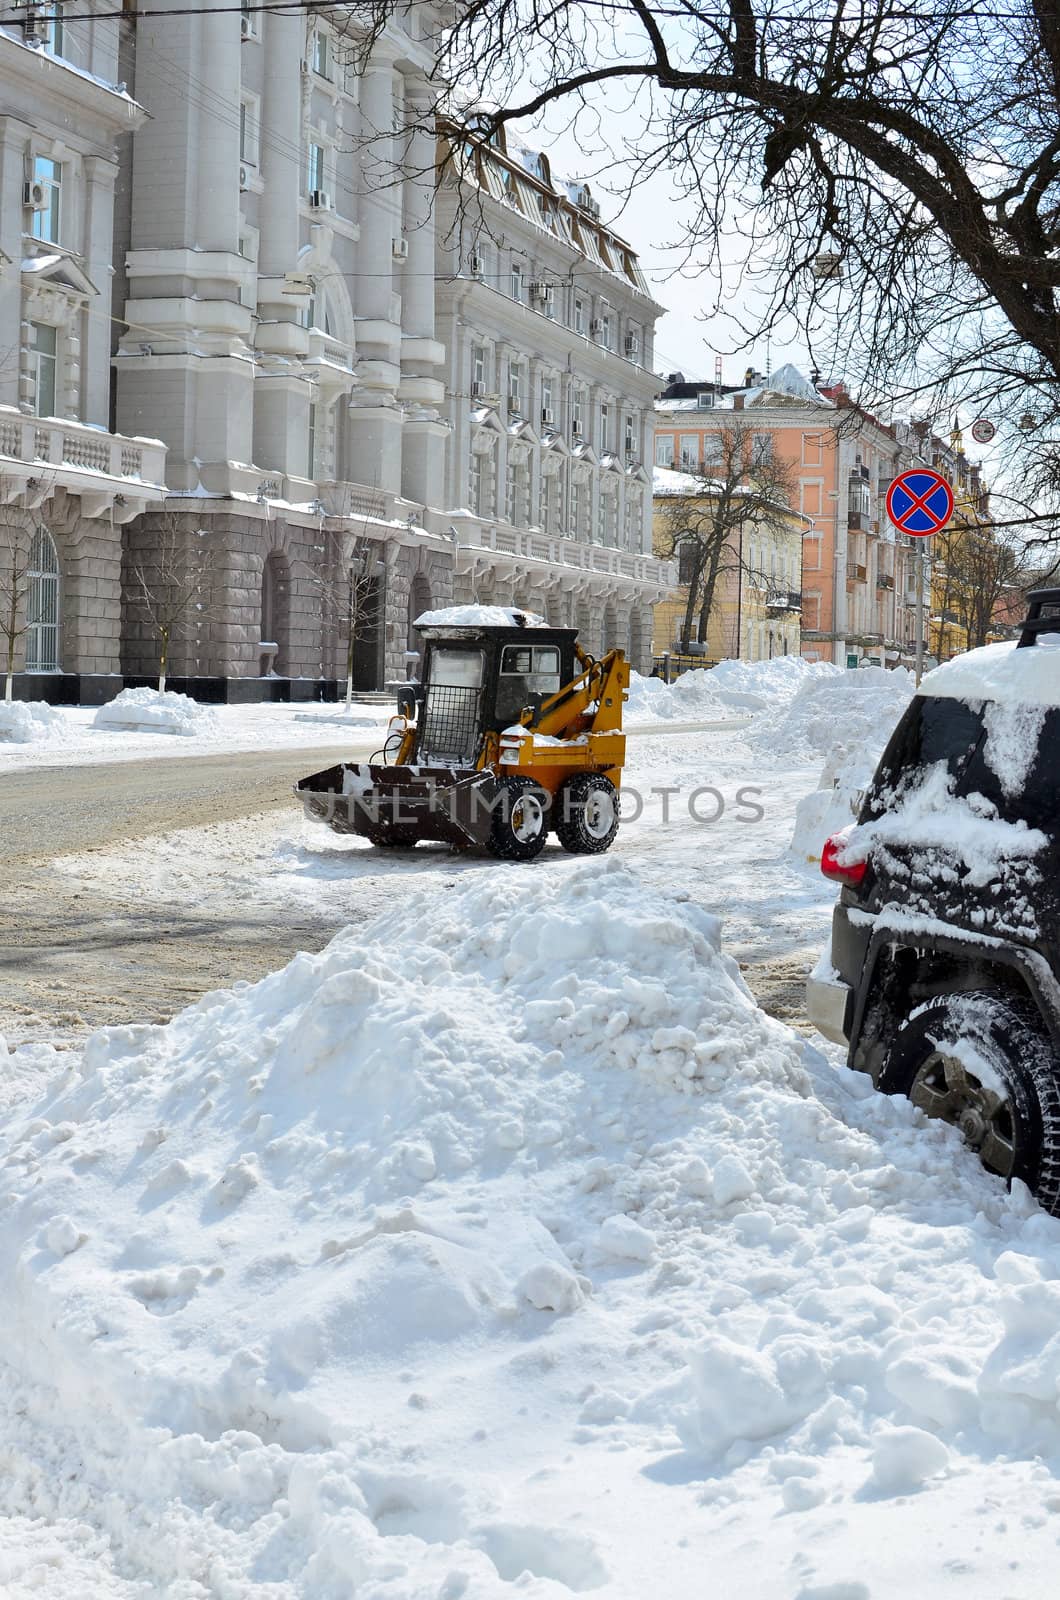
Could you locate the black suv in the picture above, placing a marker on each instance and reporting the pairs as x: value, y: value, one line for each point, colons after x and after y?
x: 944, y: 972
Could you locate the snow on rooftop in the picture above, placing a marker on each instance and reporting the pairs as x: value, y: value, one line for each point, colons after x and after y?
x: 480, y: 617
x: 1002, y: 673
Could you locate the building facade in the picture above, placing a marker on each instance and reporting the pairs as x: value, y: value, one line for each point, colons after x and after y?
x: 548, y: 328
x: 860, y: 577
x: 754, y: 609
x: 68, y: 483
x: 279, y: 252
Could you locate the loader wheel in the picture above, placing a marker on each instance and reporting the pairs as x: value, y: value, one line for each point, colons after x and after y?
x: 519, y: 826
x: 981, y: 1061
x: 587, y: 814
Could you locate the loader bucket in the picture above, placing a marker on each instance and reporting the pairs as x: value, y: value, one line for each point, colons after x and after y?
x: 445, y: 804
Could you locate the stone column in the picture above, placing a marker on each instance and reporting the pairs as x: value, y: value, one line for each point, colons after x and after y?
x: 281, y: 393
x: 14, y: 137
x: 100, y: 178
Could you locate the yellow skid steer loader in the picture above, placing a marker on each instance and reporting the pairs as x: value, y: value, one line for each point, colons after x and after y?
x: 513, y: 732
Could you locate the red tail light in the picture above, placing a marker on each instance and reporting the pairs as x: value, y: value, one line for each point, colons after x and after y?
x: 851, y: 872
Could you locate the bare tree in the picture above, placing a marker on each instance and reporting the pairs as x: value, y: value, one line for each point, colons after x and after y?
x: 17, y: 532
x: 893, y: 170
x: 169, y: 584
x: 345, y: 581
x: 701, y: 519
x: 976, y: 569
x: 14, y: 585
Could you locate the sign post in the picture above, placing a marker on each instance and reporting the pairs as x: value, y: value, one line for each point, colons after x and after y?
x: 920, y: 503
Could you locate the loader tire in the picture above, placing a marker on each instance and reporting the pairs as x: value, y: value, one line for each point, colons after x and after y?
x: 587, y: 814
x: 519, y: 825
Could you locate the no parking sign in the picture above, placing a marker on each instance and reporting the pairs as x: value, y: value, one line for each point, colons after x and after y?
x: 920, y: 502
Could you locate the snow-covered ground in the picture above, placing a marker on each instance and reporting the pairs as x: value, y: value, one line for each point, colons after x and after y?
x: 506, y: 1247
x: 45, y: 736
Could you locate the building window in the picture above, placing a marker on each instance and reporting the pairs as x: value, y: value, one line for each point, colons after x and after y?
x: 711, y: 446
x: 605, y: 330
x: 42, y: 605
x: 44, y: 356
x: 578, y: 511
x: 690, y: 450
x: 312, y: 451
x: 762, y: 448
x: 516, y: 507
x: 482, y: 483
x: 664, y: 450
x: 577, y: 413
x: 516, y: 387
x: 46, y: 222
x: 579, y: 314
x: 629, y: 437
x: 518, y: 284
x: 52, y: 31
x: 315, y: 167
x: 548, y: 415
x: 321, y: 58
x: 551, y: 503
x: 605, y: 426
x: 479, y: 369
x: 248, y: 130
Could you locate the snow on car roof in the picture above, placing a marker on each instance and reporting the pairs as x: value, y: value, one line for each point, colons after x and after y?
x: 480, y: 617
x: 1002, y: 673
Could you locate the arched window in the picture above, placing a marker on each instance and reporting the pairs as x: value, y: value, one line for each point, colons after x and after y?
x: 42, y: 605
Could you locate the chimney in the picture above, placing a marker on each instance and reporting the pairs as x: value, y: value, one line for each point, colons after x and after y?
x: 737, y: 402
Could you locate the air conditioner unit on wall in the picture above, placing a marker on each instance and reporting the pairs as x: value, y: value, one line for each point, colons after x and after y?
x: 35, y: 196
x: 477, y: 266
x: 319, y: 200
x: 632, y: 345
x: 596, y: 327
x: 244, y: 180
x: 246, y: 28
x: 548, y: 416
x: 542, y: 292
x: 400, y: 248
x: 478, y: 389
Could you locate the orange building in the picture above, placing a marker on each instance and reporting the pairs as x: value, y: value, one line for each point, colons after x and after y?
x: 859, y: 580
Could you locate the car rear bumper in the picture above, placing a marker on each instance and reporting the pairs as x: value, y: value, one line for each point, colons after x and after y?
x: 829, y: 1006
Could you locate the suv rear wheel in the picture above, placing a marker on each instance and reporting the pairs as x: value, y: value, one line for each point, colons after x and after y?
x: 981, y: 1062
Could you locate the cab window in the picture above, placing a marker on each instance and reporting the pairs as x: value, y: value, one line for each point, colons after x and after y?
x: 526, y: 670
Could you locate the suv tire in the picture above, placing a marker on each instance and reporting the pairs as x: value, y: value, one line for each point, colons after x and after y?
x: 1013, y: 1123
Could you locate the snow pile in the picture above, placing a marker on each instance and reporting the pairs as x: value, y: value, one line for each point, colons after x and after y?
x: 765, y: 685
x: 140, y: 710
x: 30, y: 722
x: 847, y: 718
x: 690, y: 698
x: 453, y: 1260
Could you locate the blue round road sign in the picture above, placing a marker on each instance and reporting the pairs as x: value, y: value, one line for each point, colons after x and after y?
x: 920, y: 502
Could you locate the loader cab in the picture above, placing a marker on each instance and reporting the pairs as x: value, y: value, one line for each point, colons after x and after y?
x: 478, y: 678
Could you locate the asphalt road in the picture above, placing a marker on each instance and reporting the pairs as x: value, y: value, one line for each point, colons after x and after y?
x: 74, y: 956
x: 77, y: 952
x: 59, y: 810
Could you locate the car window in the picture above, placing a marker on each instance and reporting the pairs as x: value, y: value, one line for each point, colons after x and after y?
x: 933, y: 729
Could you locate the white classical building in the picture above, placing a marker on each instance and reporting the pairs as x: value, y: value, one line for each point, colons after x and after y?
x: 548, y: 329
x: 279, y: 254
x: 67, y: 482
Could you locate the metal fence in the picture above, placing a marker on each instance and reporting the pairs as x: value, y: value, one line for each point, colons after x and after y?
x: 450, y: 724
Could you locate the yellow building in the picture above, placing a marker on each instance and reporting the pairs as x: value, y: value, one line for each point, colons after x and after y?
x: 744, y: 554
x: 963, y: 558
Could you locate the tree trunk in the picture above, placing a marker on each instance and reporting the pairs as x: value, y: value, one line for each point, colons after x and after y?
x: 349, y: 667
x: 12, y: 633
x: 693, y: 592
x: 163, y: 659
x: 709, y: 587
